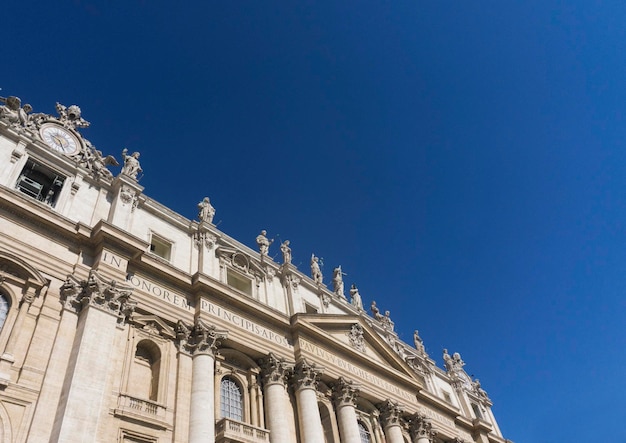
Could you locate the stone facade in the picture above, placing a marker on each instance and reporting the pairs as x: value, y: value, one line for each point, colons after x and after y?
x: 123, y: 321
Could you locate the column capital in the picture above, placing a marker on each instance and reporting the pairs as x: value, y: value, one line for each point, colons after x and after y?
x: 201, y: 338
x: 108, y: 296
x: 345, y: 392
x: 390, y: 413
x: 275, y: 370
x: 421, y: 427
x: 306, y: 375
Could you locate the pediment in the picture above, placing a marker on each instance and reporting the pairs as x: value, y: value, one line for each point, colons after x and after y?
x: 154, y: 325
x: 352, y: 337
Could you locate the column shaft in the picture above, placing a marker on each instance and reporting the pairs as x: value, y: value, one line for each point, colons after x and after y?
x: 277, y: 417
x: 393, y: 434
x: 348, y: 424
x: 311, y: 430
x: 202, y: 414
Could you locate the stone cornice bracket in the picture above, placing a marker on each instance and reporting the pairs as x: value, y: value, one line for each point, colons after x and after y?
x: 390, y: 413
x: 275, y: 370
x: 345, y: 392
x: 421, y: 427
x: 306, y: 375
x: 200, y: 339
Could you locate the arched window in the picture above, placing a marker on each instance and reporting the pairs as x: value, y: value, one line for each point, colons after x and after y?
x: 4, y: 308
x: 231, y: 400
x: 364, y: 433
x: 144, y: 381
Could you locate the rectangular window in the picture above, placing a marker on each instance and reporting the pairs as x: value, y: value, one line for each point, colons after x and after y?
x: 40, y: 183
x: 160, y: 247
x: 476, y: 409
x: 310, y: 309
x: 239, y: 282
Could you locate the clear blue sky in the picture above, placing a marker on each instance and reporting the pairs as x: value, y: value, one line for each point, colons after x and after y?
x: 463, y: 161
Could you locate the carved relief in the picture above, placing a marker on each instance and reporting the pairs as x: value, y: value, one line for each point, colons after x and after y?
x: 128, y: 196
x: 356, y: 337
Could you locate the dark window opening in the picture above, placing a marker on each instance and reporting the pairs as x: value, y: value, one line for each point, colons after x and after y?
x: 40, y: 183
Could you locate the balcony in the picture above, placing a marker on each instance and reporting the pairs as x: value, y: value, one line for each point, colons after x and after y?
x: 231, y: 431
x: 146, y: 411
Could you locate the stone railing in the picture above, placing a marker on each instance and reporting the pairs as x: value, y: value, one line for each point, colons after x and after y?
x: 230, y: 430
x: 137, y: 408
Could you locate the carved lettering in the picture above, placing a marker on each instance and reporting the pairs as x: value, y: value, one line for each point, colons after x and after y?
x: 157, y: 291
x: 113, y: 260
x: 361, y: 373
x: 243, y: 323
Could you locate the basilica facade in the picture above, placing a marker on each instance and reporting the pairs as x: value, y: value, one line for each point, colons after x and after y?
x: 123, y: 321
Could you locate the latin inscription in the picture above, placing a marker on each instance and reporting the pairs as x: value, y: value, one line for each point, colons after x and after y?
x: 210, y: 308
x: 159, y: 292
x: 437, y: 416
x: 357, y: 371
x: 113, y: 260
x: 244, y: 323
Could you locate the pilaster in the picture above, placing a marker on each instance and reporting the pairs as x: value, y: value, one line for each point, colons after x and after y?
x: 101, y: 306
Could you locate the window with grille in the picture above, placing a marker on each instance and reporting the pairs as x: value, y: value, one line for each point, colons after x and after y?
x: 231, y: 401
x: 364, y: 433
x: 4, y: 308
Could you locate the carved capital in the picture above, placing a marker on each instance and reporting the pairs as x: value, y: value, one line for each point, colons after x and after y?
x: 108, y: 296
x: 200, y: 339
x: 390, y: 413
x: 306, y: 376
x: 421, y: 427
x: 275, y: 370
x: 345, y: 392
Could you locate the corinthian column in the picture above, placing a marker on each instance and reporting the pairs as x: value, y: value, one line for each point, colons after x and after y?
x: 391, y: 413
x: 345, y: 394
x: 201, y: 342
x: 305, y: 383
x: 275, y: 372
x: 421, y: 429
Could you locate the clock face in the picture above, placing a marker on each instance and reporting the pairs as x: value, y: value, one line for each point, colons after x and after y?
x: 59, y: 139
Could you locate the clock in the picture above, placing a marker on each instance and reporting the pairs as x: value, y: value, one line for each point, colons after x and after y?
x: 59, y: 139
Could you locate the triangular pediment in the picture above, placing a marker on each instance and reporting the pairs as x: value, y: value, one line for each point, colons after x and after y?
x: 153, y: 324
x: 354, y: 339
